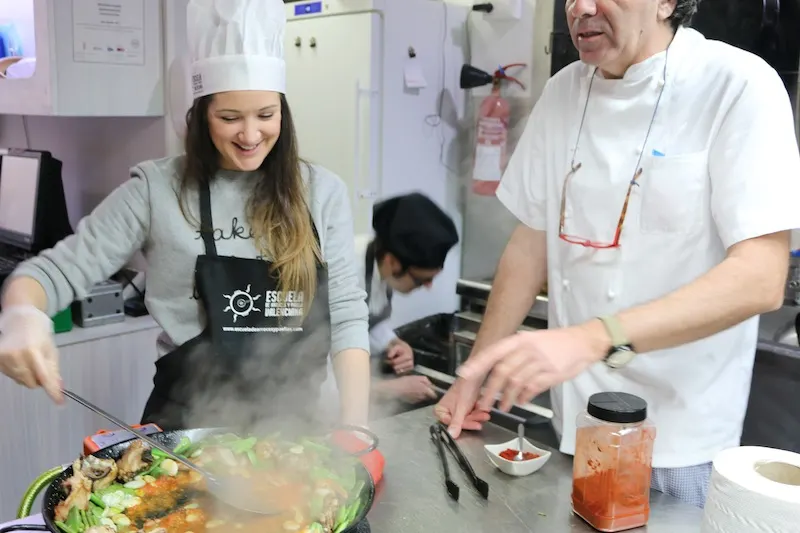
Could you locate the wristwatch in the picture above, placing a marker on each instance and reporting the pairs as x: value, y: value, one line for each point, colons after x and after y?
x: 621, y: 352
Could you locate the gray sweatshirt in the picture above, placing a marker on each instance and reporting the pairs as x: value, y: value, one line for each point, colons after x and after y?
x: 143, y: 214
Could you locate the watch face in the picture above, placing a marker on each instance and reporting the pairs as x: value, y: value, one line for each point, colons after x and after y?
x: 620, y: 357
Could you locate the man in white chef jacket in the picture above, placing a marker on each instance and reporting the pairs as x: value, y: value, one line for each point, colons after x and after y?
x: 411, y: 240
x: 656, y: 185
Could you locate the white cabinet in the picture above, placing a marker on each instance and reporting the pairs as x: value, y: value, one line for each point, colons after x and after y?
x: 336, y: 126
x: 86, y: 58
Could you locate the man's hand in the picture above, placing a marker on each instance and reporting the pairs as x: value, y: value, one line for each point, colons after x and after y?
x: 457, y: 408
x: 526, y: 364
x: 400, y: 356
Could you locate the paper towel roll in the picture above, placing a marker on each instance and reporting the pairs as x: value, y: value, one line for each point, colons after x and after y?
x: 753, y: 490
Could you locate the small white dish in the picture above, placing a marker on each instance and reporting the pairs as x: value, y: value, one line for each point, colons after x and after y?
x: 516, y: 468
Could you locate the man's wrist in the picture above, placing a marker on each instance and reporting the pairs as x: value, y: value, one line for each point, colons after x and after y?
x: 598, y: 338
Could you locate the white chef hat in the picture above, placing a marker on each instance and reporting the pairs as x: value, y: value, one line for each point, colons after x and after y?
x: 236, y: 45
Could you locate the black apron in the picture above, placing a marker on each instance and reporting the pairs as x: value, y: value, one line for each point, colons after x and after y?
x: 257, y: 359
x: 386, y: 312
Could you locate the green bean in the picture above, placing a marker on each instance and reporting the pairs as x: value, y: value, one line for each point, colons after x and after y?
x: 184, y: 445
x: 94, y: 498
x: 64, y: 527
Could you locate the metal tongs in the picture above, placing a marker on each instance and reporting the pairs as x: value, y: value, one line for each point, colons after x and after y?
x: 440, y: 438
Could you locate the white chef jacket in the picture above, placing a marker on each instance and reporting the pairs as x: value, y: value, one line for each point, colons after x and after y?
x: 721, y: 166
x: 382, y: 333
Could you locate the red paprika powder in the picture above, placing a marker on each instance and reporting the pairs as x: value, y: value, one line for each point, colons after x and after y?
x: 612, y: 468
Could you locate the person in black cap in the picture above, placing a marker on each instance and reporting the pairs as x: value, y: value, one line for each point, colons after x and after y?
x: 412, y: 239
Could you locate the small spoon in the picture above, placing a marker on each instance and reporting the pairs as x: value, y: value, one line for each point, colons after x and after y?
x: 521, y: 435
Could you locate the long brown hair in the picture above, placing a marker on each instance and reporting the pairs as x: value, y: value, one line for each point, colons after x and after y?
x: 277, y: 211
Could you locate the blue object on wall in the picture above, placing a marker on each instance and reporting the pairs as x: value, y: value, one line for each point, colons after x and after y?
x: 10, y: 42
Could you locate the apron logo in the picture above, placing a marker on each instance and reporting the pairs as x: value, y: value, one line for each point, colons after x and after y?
x: 284, y: 303
x: 241, y: 303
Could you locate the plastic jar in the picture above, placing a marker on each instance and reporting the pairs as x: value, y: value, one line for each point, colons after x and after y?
x: 613, y: 462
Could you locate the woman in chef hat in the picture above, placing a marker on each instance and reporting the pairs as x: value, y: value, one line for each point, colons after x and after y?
x: 268, y: 238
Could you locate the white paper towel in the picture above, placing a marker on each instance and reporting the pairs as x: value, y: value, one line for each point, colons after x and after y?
x: 753, y: 490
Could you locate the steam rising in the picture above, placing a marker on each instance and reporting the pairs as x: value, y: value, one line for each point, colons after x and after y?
x: 255, y: 383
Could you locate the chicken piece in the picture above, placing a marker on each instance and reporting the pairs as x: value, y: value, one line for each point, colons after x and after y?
x: 265, y: 449
x: 328, y: 517
x: 220, y: 456
x: 135, y: 459
x: 100, y: 529
x: 299, y: 462
x: 102, y: 472
x: 333, y: 496
x: 79, y: 489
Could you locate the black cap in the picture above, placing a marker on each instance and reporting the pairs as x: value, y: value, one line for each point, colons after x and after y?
x: 617, y: 407
x: 415, y: 230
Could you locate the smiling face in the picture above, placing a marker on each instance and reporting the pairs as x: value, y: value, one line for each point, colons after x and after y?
x: 244, y: 126
x: 615, y: 34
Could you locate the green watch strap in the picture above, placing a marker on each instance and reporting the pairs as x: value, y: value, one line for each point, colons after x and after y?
x: 615, y: 331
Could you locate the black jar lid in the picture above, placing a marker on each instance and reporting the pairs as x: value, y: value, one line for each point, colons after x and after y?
x: 617, y: 407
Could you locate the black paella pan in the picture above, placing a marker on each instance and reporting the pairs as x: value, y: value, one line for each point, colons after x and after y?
x: 54, y: 492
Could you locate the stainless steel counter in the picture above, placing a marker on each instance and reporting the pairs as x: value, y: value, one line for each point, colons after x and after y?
x: 412, y: 497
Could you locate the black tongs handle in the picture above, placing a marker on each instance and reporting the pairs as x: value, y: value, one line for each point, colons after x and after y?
x: 452, y: 488
x: 481, y: 485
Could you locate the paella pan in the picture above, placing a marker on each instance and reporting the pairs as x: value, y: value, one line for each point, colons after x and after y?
x: 131, y: 488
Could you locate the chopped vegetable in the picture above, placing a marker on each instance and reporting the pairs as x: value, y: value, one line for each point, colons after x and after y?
x: 241, y: 445
x: 64, y: 527
x: 182, y: 446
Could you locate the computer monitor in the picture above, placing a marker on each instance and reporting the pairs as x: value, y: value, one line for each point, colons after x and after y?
x: 19, y: 190
x: 33, y: 210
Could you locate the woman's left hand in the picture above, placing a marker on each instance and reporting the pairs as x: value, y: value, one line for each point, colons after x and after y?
x: 400, y: 356
x: 526, y: 364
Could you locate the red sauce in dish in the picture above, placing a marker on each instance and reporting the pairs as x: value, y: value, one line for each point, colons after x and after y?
x: 510, y: 453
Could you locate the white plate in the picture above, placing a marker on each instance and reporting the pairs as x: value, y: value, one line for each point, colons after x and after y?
x: 516, y: 468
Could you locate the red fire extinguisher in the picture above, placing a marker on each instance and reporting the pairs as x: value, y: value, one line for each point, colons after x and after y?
x: 491, y: 135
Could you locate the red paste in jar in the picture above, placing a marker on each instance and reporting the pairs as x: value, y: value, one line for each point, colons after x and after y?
x: 614, y: 500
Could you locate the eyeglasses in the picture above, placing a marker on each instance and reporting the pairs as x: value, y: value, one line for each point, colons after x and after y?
x: 574, y: 167
x: 588, y: 243
x: 420, y: 281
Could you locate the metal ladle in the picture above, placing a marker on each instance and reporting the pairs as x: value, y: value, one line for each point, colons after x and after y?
x: 227, y: 491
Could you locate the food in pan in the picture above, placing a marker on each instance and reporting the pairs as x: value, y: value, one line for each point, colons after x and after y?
x: 145, y: 492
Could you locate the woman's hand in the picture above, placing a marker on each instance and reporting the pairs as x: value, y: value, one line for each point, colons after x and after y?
x: 400, y: 356
x: 410, y: 389
x: 28, y: 354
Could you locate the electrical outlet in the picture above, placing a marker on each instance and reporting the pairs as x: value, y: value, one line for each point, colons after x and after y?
x: 505, y: 10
